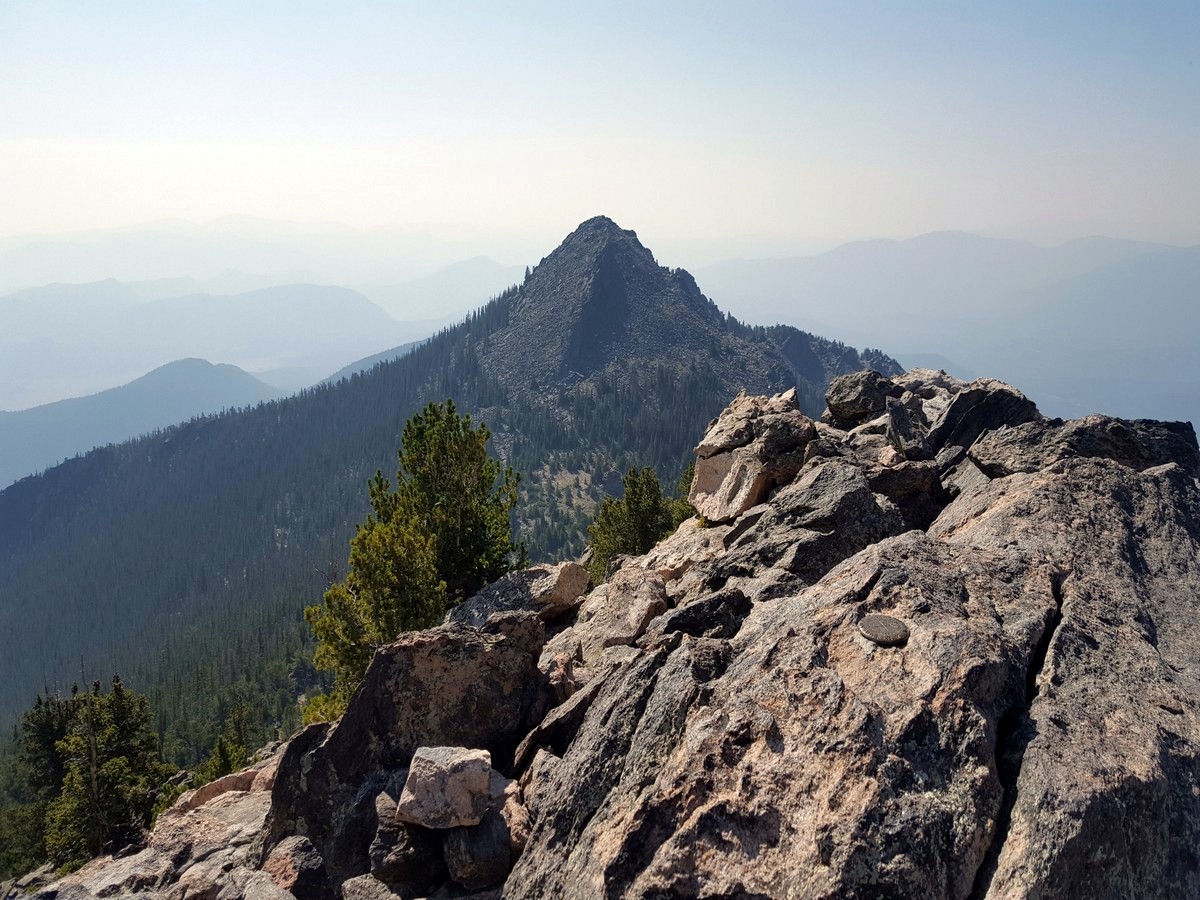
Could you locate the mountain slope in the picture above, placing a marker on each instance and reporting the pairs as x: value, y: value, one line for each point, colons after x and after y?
x: 37, y: 438
x: 369, y: 362
x: 186, y: 558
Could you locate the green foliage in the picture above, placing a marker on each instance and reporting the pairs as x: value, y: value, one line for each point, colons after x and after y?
x: 22, y: 838
x: 111, y: 779
x: 633, y: 524
x: 393, y: 586
x: 443, y: 533
x: 226, y: 757
x: 82, y: 777
x: 458, y: 494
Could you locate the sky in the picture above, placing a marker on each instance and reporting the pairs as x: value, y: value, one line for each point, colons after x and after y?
x: 764, y: 128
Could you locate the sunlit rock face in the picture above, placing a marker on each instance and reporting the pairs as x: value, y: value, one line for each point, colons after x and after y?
x: 948, y: 649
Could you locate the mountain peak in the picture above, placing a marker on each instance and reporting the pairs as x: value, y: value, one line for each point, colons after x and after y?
x: 593, y: 235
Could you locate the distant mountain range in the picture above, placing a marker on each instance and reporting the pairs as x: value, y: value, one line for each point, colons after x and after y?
x: 185, y: 558
x: 1053, y: 320
x: 38, y: 438
x: 66, y: 340
x: 448, y: 293
x: 1093, y: 325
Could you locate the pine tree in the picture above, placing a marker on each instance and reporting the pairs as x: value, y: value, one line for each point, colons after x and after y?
x: 460, y: 495
x: 633, y: 524
x: 443, y: 533
x: 392, y: 587
x: 112, y: 776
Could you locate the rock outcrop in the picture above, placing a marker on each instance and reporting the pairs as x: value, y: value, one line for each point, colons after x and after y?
x: 754, y: 445
x: 945, y: 647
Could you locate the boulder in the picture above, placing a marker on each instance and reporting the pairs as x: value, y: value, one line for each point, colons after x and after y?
x: 194, y: 851
x: 1139, y: 444
x: 828, y: 513
x: 914, y: 487
x: 295, y: 866
x: 905, y: 430
x: 717, y: 615
x: 446, y: 787
x: 756, y: 444
x: 478, y: 856
x: 1003, y: 706
x: 403, y: 855
x: 614, y: 615
x: 1101, y: 764
x: 549, y: 591
x: 983, y: 405
x: 235, y: 781
x: 368, y: 887
x: 687, y: 545
x: 447, y: 686
x: 857, y: 396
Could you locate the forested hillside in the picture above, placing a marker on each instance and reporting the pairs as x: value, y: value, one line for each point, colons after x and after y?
x: 37, y: 438
x: 184, y: 560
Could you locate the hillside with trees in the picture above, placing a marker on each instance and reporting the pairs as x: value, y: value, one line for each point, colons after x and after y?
x: 185, y: 559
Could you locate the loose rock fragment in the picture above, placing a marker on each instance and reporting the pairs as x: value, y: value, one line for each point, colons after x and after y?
x: 447, y: 787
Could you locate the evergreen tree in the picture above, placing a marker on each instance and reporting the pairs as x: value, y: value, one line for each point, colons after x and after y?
x: 459, y: 495
x: 226, y: 757
x: 443, y: 533
x: 392, y: 587
x: 111, y: 779
x: 631, y: 525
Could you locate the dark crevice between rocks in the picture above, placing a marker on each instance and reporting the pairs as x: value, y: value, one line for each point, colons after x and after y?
x: 1013, y: 736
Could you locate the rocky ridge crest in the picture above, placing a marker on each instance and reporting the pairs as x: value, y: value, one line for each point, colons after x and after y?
x: 942, y: 646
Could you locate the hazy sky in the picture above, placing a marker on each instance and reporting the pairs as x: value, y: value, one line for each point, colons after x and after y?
x: 776, y: 123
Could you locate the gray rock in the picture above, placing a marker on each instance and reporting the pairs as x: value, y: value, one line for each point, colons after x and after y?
x: 404, y: 855
x: 983, y: 405
x: 549, y: 591
x: 914, y: 487
x: 717, y: 615
x: 756, y: 444
x: 905, y: 431
x: 858, y: 396
x: 448, y: 686
x: 1102, y: 763
x: 258, y: 886
x: 368, y: 887
x: 295, y: 865
x: 1139, y: 444
x: 614, y: 615
x: 1037, y: 735
x: 478, y: 856
x: 827, y: 514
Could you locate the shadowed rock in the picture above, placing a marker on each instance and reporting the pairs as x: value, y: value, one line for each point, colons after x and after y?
x: 448, y: 686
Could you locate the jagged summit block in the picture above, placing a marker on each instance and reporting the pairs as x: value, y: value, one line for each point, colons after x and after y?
x: 755, y: 444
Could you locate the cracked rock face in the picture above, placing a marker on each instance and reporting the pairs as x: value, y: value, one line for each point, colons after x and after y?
x: 950, y: 650
x: 1036, y: 735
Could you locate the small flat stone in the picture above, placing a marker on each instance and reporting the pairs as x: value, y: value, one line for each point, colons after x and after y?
x: 886, y: 631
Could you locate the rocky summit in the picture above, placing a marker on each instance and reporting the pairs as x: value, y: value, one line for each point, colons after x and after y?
x: 934, y: 645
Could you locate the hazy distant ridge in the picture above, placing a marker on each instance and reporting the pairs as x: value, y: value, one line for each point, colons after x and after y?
x: 37, y: 438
